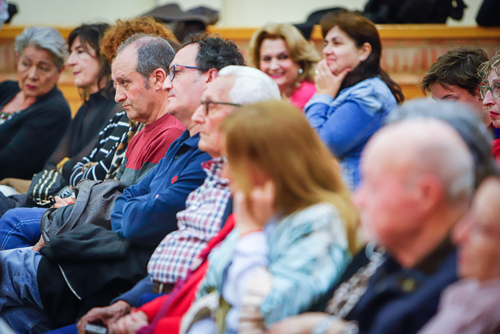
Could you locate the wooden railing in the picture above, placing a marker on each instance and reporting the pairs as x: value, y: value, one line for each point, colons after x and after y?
x: 408, y: 50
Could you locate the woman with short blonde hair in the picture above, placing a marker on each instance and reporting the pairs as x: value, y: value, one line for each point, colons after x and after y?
x: 280, y: 51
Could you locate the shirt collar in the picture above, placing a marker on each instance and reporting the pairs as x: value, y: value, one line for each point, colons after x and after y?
x: 186, y: 139
x: 213, y: 168
x: 432, y: 261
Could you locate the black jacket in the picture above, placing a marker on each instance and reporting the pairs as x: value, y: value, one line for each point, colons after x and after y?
x: 29, y: 138
x: 85, y: 268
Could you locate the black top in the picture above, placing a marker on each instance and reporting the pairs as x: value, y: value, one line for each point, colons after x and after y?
x: 401, y: 300
x: 29, y: 138
x: 83, y: 132
x: 487, y: 15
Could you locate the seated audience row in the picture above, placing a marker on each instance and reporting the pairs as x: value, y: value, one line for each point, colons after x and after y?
x: 93, y: 77
x: 21, y: 227
x: 170, y: 244
x: 163, y: 192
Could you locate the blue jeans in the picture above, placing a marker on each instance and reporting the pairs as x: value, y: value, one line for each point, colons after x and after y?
x: 19, y: 286
x: 26, y: 320
x: 20, y: 227
x: 71, y: 329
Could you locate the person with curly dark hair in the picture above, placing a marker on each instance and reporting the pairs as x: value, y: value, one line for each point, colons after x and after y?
x: 208, y: 54
x: 214, y: 52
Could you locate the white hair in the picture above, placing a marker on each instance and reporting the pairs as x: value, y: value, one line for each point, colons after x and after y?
x: 46, y: 38
x: 251, y: 85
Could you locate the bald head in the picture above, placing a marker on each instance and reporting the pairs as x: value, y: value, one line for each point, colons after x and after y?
x: 417, y: 183
x: 458, y: 115
x: 426, y: 146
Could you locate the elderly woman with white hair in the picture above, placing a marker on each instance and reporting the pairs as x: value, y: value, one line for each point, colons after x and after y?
x: 33, y: 113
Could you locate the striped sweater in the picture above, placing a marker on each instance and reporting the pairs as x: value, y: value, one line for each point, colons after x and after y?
x: 96, y: 165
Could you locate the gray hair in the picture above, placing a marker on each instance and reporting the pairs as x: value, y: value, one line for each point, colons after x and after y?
x: 251, y: 85
x: 153, y: 52
x: 463, y: 120
x: 430, y: 146
x: 46, y: 38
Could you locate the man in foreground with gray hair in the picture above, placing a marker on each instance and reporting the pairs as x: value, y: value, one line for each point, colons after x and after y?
x: 418, y: 183
x: 233, y: 86
x: 418, y: 180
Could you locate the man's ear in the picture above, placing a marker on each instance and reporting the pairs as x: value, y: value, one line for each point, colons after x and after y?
x: 212, y: 74
x: 61, y: 69
x: 157, y: 78
x: 430, y: 192
x: 478, y: 94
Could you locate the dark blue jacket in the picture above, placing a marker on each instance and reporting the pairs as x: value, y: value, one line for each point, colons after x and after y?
x: 401, y: 301
x: 146, y: 212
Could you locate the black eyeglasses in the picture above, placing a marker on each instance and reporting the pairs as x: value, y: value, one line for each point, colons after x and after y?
x: 495, y: 91
x: 176, y: 68
x: 206, y: 105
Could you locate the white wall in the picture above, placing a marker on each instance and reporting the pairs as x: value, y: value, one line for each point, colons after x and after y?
x: 237, y: 13
x: 259, y: 12
x: 76, y: 12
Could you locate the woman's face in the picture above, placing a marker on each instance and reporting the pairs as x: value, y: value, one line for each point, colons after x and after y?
x: 276, y: 62
x: 85, y: 66
x: 256, y: 177
x: 37, y: 72
x: 491, y: 104
x: 340, y: 51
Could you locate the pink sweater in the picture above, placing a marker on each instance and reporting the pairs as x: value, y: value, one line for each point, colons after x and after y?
x: 303, y: 94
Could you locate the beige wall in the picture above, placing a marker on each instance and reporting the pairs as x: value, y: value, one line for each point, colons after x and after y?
x: 238, y: 13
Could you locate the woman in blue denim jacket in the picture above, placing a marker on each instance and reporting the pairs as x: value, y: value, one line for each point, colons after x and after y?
x: 353, y: 92
x: 295, y: 226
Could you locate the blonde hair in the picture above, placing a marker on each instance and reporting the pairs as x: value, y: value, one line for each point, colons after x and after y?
x: 491, y: 65
x: 277, y: 139
x: 301, y: 51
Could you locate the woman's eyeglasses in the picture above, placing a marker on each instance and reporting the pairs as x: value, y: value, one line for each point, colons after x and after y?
x: 495, y: 91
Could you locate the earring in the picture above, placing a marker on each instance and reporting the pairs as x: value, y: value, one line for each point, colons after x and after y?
x: 301, y: 71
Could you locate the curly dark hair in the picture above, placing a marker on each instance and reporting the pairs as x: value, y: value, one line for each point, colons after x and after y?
x: 215, y: 52
x: 122, y: 30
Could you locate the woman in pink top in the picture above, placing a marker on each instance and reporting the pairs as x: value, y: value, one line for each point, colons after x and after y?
x: 280, y: 51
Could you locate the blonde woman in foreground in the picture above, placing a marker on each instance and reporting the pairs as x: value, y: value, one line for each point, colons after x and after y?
x: 293, y: 222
